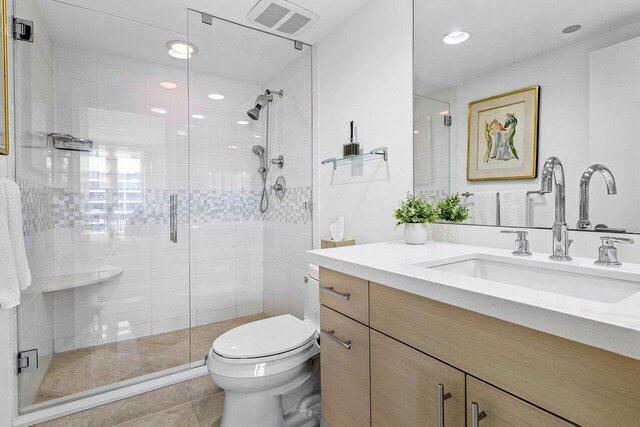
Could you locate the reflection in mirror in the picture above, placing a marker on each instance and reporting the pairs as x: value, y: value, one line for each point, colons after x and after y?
x: 583, y: 57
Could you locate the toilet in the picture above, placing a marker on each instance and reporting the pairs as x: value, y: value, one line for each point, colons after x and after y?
x: 270, y: 368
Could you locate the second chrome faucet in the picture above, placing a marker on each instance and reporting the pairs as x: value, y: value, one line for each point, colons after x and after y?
x: 553, y: 171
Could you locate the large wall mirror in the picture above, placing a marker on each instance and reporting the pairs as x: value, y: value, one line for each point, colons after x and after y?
x: 499, y: 87
x: 4, y: 101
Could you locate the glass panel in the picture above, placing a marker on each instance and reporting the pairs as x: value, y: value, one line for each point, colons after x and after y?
x: 109, y: 304
x: 430, y: 147
x: 247, y: 264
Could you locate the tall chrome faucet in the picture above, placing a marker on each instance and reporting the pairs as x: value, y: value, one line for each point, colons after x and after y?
x: 553, y: 171
x: 585, y: 180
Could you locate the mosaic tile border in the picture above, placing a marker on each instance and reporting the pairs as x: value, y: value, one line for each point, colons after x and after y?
x: 37, y: 207
x: 291, y: 208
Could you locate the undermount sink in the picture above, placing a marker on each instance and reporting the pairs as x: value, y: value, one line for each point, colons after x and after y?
x: 570, y: 280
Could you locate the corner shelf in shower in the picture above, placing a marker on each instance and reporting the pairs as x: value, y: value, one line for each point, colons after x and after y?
x: 78, y: 280
x: 376, y: 153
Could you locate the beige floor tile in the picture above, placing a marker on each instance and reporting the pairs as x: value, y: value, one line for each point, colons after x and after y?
x: 88, y: 368
x: 202, y: 387
x: 177, y: 416
x: 209, y: 409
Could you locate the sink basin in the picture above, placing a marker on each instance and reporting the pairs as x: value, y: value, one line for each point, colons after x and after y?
x: 576, y: 281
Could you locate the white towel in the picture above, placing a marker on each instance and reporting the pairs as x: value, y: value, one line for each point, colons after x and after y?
x: 513, y: 208
x: 485, y: 208
x: 14, y: 267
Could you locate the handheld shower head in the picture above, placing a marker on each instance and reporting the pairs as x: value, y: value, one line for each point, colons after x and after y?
x: 259, y: 150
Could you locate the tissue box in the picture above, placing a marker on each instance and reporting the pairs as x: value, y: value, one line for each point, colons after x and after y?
x: 325, y: 244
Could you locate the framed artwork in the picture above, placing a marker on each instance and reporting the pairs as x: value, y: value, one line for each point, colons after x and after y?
x: 503, y: 136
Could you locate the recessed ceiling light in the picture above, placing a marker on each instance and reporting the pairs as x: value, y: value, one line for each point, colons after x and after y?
x: 168, y: 85
x: 180, y: 49
x: 416, y: 131
x: 216, y: 96
x: 232, y: 146
x: 158, y: 110
x: 257, y: 136
x: 571, y: 29
x: 181, y: 133
x: 242, y: 122
x: 197, y: 116
x: 456, y: 37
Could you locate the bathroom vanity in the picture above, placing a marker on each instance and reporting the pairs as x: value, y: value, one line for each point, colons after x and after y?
x: 454, y: 335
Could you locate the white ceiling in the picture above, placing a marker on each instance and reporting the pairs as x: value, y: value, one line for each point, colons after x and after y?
x: 139, y: 29
x: 170, y: 14
x: 503, y: 32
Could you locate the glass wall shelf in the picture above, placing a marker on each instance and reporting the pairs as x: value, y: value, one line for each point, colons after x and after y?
x: 376, y: 153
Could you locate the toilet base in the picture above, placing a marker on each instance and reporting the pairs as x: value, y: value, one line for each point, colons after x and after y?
x: 252, y: 409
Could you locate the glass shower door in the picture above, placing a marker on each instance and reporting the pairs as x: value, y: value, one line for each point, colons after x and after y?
x: 106, y: 225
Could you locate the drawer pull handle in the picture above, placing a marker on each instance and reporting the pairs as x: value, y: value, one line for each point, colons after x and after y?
x: 344, y: 344
x: 442, y: 396
x: 330, y: 291
x: 475, y: 416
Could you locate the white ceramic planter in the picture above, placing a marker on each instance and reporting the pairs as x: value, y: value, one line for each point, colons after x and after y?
x: 415, y: 233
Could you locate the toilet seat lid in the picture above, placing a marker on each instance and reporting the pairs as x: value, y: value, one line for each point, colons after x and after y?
x: 266, y: 337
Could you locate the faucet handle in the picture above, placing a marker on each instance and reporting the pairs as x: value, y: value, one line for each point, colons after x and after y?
x: 608, y: 253
x: 610, y: 240
x: 522, y: 244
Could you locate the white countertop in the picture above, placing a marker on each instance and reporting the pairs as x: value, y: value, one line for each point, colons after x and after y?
x: 613, y: 326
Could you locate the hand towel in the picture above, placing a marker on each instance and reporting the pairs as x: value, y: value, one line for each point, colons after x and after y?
x: 16, y: 233
x: 485, y: 209
x: 513, y: 208
x: 9, y: 282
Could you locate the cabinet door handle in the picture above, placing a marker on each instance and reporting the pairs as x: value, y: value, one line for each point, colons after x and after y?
x: 330, y: 291
x: 330, y: 334
x: 442, y: 396
x: 475, y: 416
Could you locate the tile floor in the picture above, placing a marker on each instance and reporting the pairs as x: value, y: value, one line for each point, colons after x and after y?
x: 85, y: 369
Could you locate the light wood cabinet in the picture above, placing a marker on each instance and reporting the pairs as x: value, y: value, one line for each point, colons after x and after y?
x: 346, y: 294
x: 518, y: 376
x: 405, y: 387
x: 499, y: 409
x: 344, y: 363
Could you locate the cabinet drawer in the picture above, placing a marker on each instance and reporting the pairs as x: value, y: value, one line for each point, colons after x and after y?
x: 582, y: 384
x: 405, y: 387
x: 346, y: 294
x: 344, y: 370
x: 503, y: 410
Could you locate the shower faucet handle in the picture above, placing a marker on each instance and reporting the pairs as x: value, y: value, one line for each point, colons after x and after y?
x: 278, y: 161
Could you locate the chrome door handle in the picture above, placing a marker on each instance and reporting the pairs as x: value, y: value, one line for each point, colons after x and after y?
x: 442, y: 396
x: 173, y: 218
x: 475, y: 416
x: 330, y: 334
x: 330, y: 291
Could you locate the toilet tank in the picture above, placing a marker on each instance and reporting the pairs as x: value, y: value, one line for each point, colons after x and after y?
x: 312, y: 297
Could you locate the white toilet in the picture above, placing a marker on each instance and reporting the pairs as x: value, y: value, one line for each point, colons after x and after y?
x: 270, y: 369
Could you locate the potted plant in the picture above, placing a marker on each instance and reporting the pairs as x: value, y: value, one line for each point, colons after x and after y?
x: 415, y: 213
x: 451, y: 209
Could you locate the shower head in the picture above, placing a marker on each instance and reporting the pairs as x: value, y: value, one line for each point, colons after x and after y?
x: 259, y: 150
x: 261, y: 101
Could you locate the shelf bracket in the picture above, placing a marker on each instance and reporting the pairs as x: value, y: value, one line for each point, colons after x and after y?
x: 382, y: 151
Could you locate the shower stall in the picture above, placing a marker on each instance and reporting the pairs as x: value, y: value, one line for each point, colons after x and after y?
x: 162, y: 230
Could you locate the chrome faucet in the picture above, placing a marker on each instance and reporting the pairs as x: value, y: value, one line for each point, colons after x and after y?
x: 585, y: 180
x: 553, y: 171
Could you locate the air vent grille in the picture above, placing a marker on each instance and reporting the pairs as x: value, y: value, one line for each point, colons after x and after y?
x: 272, y: 15
x: 282, y: 16
x: 294, y: 24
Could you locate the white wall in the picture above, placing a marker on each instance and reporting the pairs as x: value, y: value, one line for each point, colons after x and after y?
x: 564, y: 129
x: 365, y: 74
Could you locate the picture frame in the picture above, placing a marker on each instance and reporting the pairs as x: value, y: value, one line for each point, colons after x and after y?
x: 502, y: 136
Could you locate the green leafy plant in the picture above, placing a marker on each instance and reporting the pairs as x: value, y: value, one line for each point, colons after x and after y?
x: 415, y: 209
x: 451, y: 209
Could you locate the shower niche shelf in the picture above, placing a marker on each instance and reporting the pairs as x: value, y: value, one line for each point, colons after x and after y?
x: 376, y: 153
x: 78, y: 280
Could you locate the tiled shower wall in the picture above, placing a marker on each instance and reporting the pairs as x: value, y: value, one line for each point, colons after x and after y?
x: 288, y: 224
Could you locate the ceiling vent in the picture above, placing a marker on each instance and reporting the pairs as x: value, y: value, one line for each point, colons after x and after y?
x: 282, y: 17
